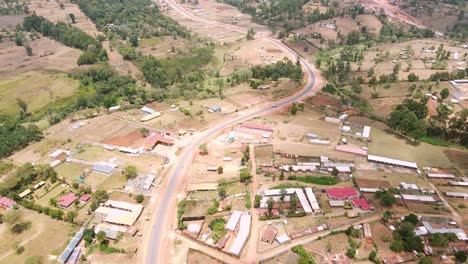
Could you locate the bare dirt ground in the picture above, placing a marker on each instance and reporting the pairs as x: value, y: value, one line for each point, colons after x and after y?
x: 392, y: 12
x: 458, y: 158
x: 51, y: 10
x: 47, y: 55
x: 160, y: 47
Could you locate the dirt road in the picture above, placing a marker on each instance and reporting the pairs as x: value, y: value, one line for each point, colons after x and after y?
x: 157, y: 247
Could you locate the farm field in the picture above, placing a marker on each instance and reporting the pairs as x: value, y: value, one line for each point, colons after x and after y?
x: 48, y: 57
x: 54, y: 193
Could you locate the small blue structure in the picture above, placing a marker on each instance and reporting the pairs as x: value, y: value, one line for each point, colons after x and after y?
x: 216, y: 108
x: 80, y: 180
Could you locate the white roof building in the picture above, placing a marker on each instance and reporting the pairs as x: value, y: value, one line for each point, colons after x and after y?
x: 366, y: 132
x: 312, y: 199
x: 283, y: 239
x: 302, y: 198
x: 391, y: 161
x: 409, y: 186
x: 418, y: 198
x: 457, y: 194
x: 242, y: 235
x: 277, y: 192
x: 56, y: 153
x: 369, y: 190
x: 233, y: 220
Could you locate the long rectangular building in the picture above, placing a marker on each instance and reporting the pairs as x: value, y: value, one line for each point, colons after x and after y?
x: 302, y: 198
x: 277, y: 192
x: 394, y: 162
x: 242, y: 235
x: 312, y: 199
x: 71, y: 247
x: 233, y: 220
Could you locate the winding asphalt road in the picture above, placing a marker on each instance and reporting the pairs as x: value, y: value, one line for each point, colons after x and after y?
x: 167, y: 198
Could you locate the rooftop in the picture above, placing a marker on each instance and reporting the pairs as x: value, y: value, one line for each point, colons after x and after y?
x: 342, y: 193
x: 67, y: 200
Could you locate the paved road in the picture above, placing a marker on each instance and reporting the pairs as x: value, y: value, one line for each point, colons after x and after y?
x: 167, y: 199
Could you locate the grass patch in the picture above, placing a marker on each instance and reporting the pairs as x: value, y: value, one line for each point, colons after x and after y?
x: 322, y: 180
x: 288, y: 185
x: 36, y: 88
x: 438, y: 142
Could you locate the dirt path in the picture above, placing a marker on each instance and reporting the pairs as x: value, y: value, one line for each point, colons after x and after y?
x: 457, y: 217
x: 251, y: 255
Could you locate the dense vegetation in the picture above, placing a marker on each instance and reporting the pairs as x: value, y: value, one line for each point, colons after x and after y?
x: 410, y: 119
x: 140, y: 18
x: 287, y: 14
x: 102, y: 86
x: 14, y: 135
x: 284, y: 68
x: 69, y: 36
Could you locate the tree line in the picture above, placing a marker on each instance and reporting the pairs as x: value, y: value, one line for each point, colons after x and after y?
x: 14, y: 135
x: 69, y: 36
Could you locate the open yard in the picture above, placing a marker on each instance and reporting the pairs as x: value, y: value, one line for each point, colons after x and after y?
x: 54, y: 193
x: 46, y: 238
x: 197, y: 257
x: 70, y: 171
x: 386, y: 143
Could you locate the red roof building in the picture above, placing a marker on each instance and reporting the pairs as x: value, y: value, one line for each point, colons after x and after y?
x: 348, y: 149
x: 67, y: 200
x: 7, y: 202
x: 85, y: 197
x: 361, y: 202
x: 270, y: 234
x: 342, y: 193
x: 156, y: 139
x: 257, y: 127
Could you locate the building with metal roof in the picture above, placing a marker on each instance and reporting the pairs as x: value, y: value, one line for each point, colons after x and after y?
x: 233, y: 220
x: 242, y: 235
x: 147, y: 110
x: 352, y: 150
x: 67, y: 200
x: 257, y: 127
x: 433, y: 230
x: 278, y: 192
x: 283, y: 239
x: 366, y: 132
x: 75, y: 256
x: 312, y: 199
x: 342, y: 193
x: 418, y: 198
x: 120, y: 213
x: 7, y: 202
x: 103, y: 168
x: 303, y: 200
x: 71, y: 247
x: 393, y: 162
x: 369, y: 190
x: 457, y: 194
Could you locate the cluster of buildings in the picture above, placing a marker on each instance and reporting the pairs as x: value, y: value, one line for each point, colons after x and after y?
x: 282, y: 197
x: 338, y: 196
x: 67, y: 200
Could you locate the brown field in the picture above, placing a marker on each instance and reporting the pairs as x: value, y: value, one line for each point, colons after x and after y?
x: 286, y: 258
x: 422, y: 208
x: 9, y: 22
x: 160, y: 47
x: 392, y: 178
x: 125, y: 140
x: 47, y: 55
x: 380, y: 231
x: 369, y: 183
x: 50, y: 9
x: 324, y: 100
x: 458, y: 158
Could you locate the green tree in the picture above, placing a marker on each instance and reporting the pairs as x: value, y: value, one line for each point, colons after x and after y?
x: 101, y: 237
x: 411, y: 218
x: 281, y: 176
x: 130, y: 172
x: 426, y: 260
x: 351, y: 252
x: 245, y: 175
x: 270, y: 204
x: 372, y: 255
x: 72, y: 18
x: 144, y: 131
x: 220, y: 170
x: 203, y: 149
x: 139, y: 198
x: 133, y: 39
x: 88, y: 235
x: 101, y: 195
x: 444, y: 93
x: 70, y: 216
x: 257, y: 200
x: 460, y: 256
x: 23, y: 107
x: 294, y: 109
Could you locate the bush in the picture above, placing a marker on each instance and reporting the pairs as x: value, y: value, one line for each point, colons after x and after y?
x: 305, y: 257
x: 139, y: 198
